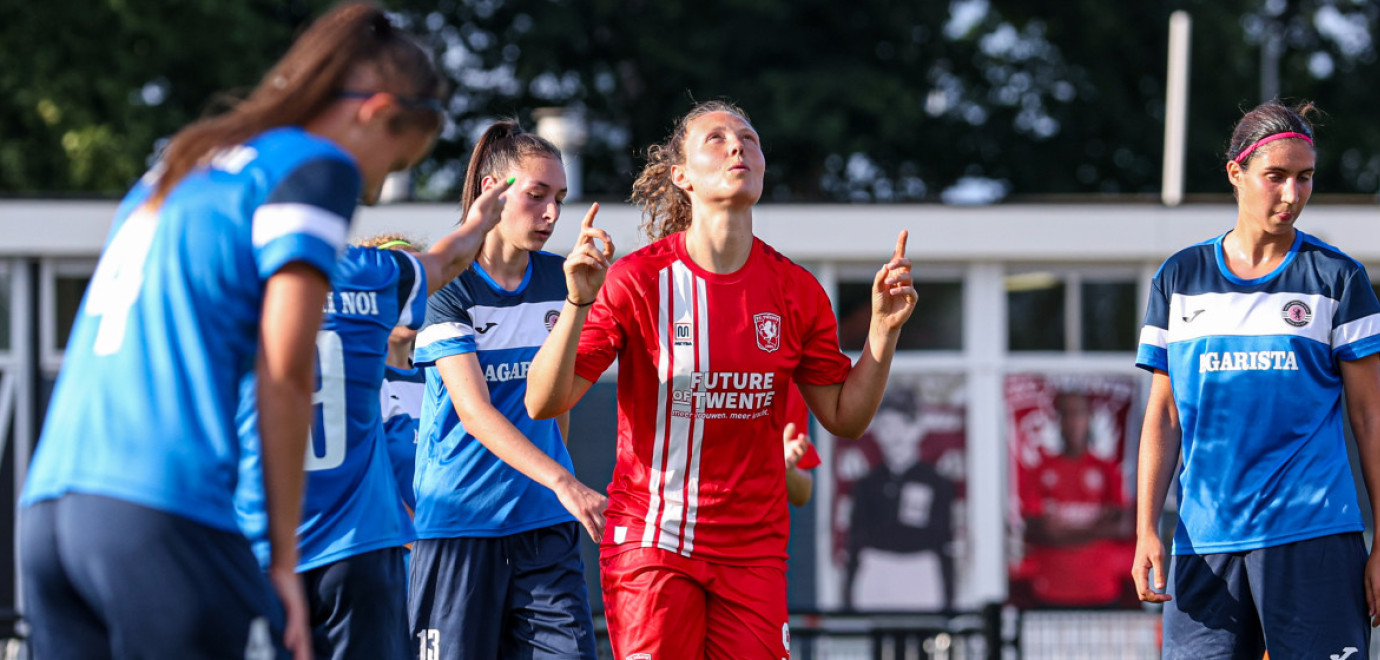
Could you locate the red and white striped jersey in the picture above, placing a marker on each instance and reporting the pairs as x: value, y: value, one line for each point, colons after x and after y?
x: 704, y: 363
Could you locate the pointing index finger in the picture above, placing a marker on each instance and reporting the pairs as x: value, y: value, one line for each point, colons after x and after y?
x: 589, y: 216
x: 900, y: 252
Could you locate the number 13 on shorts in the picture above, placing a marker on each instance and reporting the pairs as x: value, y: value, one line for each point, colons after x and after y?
x: 429, y: 644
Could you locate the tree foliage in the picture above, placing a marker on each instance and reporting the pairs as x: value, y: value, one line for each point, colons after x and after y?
x: 89, y: 86
x: 868, y: 100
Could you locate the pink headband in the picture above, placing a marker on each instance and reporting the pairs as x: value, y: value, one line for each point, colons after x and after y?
x: 1268, y: 139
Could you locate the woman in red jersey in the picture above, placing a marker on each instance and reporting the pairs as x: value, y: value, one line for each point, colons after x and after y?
x: 709, y: 326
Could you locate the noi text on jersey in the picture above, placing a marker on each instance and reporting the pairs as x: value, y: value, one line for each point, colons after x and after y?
x: 1247, y: 361
x: 358, y: 303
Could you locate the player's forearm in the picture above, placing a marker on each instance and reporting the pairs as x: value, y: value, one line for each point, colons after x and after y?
x: 285, y: 379
x: 452, y: 255
x: 799, y: 486
x: 1361, y: 384
x: 866, y: 383
x: 284, y: 416
x: 498, y: 435
x: 1365, y: 427
x: 1159, y: 455
x: 551, y: 377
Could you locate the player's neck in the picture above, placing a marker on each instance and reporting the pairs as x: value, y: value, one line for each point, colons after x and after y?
x: 506, y: 264
x: 1251, y: 253
x: 399, y: 354
x: 719, y: 240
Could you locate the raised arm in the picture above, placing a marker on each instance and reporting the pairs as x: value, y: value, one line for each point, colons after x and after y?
x: 469, y: 393
x: 847, y: 409
x: 1361, y: 382
x: 286, y: 377
x: 1160, y: 441
x: 454, y: 253
x: 552, y: 386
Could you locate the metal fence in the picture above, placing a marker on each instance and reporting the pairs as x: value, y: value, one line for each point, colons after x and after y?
x: 994, y: 633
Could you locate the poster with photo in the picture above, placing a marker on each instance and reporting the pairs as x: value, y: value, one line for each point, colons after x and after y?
x: 897, y: 516
x: 1072, y: 462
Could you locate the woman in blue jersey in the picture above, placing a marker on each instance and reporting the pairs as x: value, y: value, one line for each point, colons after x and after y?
x: 354, y: 526
x: 217, y: 264
x: 403, y: 387
x: 496, y: 569
x: 1253, y: 338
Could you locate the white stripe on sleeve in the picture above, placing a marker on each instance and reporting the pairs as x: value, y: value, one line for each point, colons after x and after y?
x: 272, y: 221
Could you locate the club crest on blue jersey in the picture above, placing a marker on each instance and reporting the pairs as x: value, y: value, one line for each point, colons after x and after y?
x: 1297, y: 313
x: 551, y: 318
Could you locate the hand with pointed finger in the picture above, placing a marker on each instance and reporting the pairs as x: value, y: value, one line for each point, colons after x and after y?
x: 796, y: 445
x: 487, y: 209
x: 893, y: 289
x: 588, y: 264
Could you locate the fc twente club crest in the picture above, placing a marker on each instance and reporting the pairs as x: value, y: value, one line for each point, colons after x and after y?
x: 768, y: 331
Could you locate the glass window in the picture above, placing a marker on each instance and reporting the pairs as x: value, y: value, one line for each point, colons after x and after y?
x: 1110, y: 316
x: 70, y: 289
x: 936, y: 325
x: 1035, y: 312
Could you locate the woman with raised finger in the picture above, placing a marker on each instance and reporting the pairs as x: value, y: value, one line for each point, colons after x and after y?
x: 709, y: 326
x: 496, y: 569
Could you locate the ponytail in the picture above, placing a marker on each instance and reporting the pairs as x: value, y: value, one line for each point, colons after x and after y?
x: 500, y: 150
x: 308, y: 78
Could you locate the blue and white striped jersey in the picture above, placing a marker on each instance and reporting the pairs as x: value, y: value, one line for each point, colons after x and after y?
x: 350, y: 504
x: 144, y: 408
x: 1254, y: 365
x: 462, y: 489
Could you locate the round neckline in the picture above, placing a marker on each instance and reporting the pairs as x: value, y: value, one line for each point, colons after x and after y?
x: 498, y: 288
x: 678, y: 242
x: 1219, y: 251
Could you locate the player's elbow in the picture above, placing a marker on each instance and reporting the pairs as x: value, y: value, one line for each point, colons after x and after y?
x: 541, y: 405
x: 850, y: 429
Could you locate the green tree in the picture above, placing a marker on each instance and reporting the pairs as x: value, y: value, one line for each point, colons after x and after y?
x: 88, y: 87
x: 870, y: 100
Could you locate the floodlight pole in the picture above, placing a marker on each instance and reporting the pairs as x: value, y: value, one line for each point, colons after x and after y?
x: 1176, y: 109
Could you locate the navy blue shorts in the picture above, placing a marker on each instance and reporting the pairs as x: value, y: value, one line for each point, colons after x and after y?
x: 104, y: 578
x: 518, y: 596
x: 359, y: 607
x: 1302, y: 600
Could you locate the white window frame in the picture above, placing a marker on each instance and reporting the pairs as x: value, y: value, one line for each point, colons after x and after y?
x: 50, y: 269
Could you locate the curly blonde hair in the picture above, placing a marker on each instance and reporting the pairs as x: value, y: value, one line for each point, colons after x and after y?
x: 665, y: 207
x: 398, y: 241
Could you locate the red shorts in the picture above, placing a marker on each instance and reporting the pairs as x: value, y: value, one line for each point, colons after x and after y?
x: 662, y: 606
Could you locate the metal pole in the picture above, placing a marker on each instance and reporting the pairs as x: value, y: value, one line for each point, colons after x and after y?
x: 1176, y: 109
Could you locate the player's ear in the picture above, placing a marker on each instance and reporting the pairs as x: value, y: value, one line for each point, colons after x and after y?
x: 678, y: 178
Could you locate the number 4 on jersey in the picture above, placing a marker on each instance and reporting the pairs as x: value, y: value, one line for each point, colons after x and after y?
x: 119, y: 276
